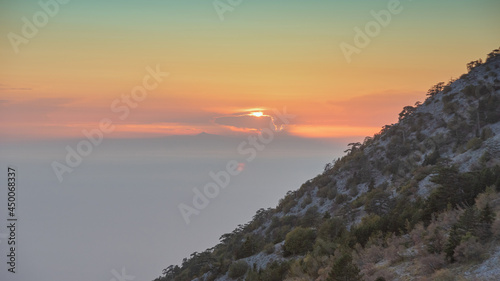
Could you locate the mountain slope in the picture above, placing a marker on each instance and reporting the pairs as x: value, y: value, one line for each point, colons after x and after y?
x: 420, y: 199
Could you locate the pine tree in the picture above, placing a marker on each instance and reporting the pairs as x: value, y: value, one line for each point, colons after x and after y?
x: 486, y: 219
x: 453, y: 242
x: 344, y: 270
x: 247, y: 249
x: 487, y: 215
x: 467, y: 224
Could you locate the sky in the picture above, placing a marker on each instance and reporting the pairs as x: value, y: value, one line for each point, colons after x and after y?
x: 157, y: 94
x: 260, y: 55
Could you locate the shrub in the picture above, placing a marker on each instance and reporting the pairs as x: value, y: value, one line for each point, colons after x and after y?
x: 296, y: 271
x: 307, y: 201
x: 269, y: 248
x: 250, y: 247
x: 393, y: 252
x: 473, y: 64
x: 252, y: 276
x: 341, y: 198
x: 369, y: 225
x: 430, y: 263
x: 322, y: 192
x: 495, y: 53
x: 436, y: 238
x: 378, y: 202
x: 487, y: 133
x: 344, y: 269
x: 238, y: 269
x: 373, y: 254
x: 461, y: 231
x: 469, y: 91
x: 495, y: 228
x: 299, y: 241
x: 469, y: 250
x: 446, y: 89
x: 370, y: 272
x: 353, y: 191
x: 448, y: 98
x: 474, y: 143
x: 323, y: 248
x: 311, y: 265
x: 286, y: 203
x: 332, y: 192
x: 456, y: 189
x: 435, y: 89
x: 279, y: 234
x: 310, y: 218
x: 331, y: 229
x: 450, y: 107
x: 443, y: 275
x: 275, y: 271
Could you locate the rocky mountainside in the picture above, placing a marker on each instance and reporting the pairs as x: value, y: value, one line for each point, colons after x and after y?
x: 420, y: 200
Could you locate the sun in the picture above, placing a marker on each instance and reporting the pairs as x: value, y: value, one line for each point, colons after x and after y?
x: 257, y: 114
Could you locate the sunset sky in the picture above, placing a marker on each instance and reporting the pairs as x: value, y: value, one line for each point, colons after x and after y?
x: 258, y: 56
x: 69, y: 66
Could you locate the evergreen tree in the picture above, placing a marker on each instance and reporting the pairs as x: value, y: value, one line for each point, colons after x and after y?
x: 248, y: 248
x: 487, y: 215
x: 344, y: 270
x: 486, y: 219
x: 467, y: 224
x: 453, y: 242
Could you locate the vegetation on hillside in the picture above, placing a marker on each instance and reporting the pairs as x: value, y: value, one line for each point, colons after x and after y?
x: 371, y: 210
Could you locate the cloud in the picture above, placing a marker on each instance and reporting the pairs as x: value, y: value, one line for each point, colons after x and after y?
x: 180, y: 115
x: 246, y: 121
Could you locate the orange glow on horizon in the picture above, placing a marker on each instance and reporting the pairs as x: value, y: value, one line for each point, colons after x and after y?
x: 67, y: 78
x: 331, y: 131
